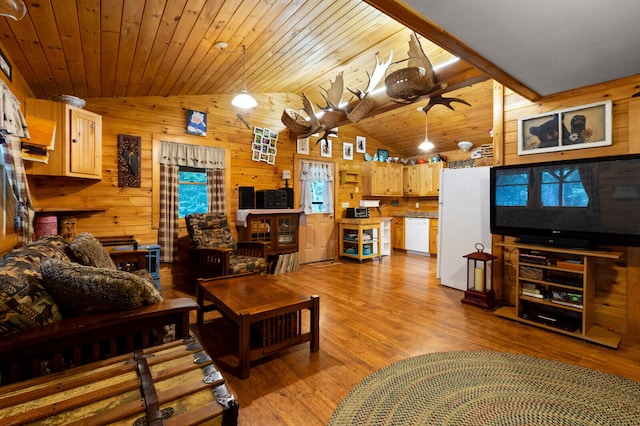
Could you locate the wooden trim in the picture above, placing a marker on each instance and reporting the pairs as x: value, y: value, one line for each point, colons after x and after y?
x: 439, y: 36
x: 498, y: 124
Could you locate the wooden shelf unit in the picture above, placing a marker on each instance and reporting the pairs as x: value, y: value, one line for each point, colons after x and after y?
x: 360, y: 238
x: 546, y: 276
x: 347, y: 176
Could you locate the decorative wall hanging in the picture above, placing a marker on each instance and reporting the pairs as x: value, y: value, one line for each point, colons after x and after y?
x: 361, y: 144
x: 586, y: 126
x: 347, y: 151
x: 196, y: 123
x: 264, y: 146
x: 129, y: 161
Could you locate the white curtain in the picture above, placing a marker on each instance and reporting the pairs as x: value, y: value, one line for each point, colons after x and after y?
x: 312, y: 172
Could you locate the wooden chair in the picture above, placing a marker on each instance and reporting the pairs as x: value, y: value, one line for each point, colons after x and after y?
x: 215, y: 252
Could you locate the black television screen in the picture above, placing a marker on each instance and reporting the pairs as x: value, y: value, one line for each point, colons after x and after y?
x: 582, y: 203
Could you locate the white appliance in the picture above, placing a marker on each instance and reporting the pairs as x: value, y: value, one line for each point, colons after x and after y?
x: 416, y: 235
x: 463, y: 221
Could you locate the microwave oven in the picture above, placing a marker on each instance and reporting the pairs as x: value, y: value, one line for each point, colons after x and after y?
x: 357, y: 212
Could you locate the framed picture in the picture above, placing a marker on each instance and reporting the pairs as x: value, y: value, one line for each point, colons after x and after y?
x: 5, y: 65
x: 196, y: 123
x: 586, y: 126
x: 302, y: 146
x: 325, y: 148
x: 347, y: 151
x: 361, y: 144
x: 383, y: 155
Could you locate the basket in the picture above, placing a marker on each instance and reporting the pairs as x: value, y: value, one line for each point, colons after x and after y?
x: 407, y: 83
x: 295, y: 121
x: 528, y: 272
x: 361, y: 109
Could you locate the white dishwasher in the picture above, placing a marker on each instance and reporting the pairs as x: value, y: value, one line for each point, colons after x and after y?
x: 416, y: 235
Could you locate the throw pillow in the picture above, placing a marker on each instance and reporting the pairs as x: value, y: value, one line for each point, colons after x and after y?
x: 24, y: 303
x: 80, y: 289
x: 89, y: 251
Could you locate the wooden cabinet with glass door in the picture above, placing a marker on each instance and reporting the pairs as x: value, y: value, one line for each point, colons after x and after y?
x: 278, y: 230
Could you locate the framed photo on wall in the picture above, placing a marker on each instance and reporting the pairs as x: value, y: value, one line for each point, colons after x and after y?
x: 302, y: 146
x: 326, y: 148
x: 586, y: 126
x: 347, y: 151
x: 196, y: 123
x: 361, y: 144
x: 5, y: 66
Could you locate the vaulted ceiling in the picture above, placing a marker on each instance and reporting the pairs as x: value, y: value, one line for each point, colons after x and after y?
x: 115, y: 48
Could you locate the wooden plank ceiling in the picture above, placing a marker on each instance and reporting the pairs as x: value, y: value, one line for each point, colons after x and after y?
x: 117, y: 48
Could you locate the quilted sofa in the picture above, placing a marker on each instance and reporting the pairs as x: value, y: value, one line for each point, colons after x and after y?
x: 65, y: 304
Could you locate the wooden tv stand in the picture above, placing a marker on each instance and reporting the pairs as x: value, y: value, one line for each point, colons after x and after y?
x: 555, y: 290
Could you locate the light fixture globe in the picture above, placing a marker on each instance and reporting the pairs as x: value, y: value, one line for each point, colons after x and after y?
x: 426, y: 146
x: 244, y: 100
x: 465, y: 145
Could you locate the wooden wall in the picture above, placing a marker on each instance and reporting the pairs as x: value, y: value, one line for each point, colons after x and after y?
x: 618, y: 293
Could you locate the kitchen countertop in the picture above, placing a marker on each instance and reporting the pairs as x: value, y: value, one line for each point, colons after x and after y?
x: 429, y: 215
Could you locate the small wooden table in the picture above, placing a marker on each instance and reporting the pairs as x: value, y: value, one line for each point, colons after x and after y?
x: 271, y: 308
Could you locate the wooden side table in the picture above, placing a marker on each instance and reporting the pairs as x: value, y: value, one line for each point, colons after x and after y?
x: 254, y: 301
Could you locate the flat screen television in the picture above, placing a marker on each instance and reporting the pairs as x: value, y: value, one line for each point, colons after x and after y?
x: 585, y: 203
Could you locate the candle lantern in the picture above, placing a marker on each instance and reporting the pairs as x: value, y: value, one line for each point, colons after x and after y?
x: 479, y: 279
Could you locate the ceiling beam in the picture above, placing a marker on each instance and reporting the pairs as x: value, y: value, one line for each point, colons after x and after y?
x: 439, y: 36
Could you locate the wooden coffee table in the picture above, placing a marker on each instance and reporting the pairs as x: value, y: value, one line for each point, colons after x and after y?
x: 258, y: 302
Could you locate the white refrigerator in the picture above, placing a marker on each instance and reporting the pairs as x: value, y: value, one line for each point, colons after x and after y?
x: 463, y: 221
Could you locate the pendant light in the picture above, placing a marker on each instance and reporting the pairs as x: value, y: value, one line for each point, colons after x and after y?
x: 426, y: 145
x: 244, y: 100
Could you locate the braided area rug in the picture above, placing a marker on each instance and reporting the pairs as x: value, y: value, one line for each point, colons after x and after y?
x: 479, y: 388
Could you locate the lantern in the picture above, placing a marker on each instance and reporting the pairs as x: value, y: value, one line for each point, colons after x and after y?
x: 479, y: 279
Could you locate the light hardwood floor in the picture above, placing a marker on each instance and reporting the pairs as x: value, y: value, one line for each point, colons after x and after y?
x: 376, y: 313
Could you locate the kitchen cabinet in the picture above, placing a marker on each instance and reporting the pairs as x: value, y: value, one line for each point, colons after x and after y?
x: 433, y: 236
x: 279, y: 230
x: 397, y: 233
x: 382, y: 179
x: 360, y: 238
x: 422, y: 180
x: 556, y: 290
x: 77, y: 150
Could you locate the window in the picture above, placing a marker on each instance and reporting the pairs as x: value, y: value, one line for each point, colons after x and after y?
x: 317, y: 196
x: 192, y: 191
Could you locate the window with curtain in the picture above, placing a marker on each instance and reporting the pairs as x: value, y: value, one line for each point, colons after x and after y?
x: 316, y: 187
x: 174, y: 158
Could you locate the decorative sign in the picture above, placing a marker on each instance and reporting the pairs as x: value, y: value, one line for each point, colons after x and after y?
x: 129, y: 161
x: 264, y: 145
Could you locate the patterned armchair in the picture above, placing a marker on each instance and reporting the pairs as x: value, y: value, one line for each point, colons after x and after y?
x: 214, y: 251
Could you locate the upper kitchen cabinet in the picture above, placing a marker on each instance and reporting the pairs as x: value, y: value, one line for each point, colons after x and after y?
x: 422, y: 180
x: 77, y: 150
x: 382, y: 179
